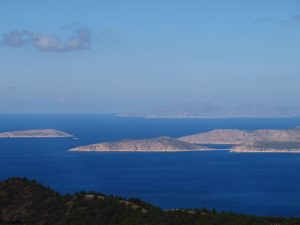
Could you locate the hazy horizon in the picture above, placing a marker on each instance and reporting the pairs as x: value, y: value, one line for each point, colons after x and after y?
x: 124, y: 56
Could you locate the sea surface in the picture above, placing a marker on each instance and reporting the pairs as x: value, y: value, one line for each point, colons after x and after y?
x: 252, y: 183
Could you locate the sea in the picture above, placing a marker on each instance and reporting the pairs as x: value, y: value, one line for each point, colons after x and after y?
x: 249, y: 183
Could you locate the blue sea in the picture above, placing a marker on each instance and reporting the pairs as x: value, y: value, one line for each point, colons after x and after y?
x: 252, y: 183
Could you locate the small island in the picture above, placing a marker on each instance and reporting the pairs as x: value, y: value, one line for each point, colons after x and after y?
x: 43, y: 133
x: 161, y: 144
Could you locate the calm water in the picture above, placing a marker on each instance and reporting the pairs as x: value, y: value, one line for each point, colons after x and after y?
x: 262, y: 184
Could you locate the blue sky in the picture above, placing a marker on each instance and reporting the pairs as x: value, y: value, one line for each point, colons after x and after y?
x: 110, y: 56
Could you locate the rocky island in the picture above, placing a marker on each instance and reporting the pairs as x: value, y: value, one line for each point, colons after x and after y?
x: 43, y: 133
x: 161, y: 144
x: 250, y: 141
x: 266, y: 140
x: 234, y: 136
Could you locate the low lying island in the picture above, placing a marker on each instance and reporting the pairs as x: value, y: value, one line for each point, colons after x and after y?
x: 161, y: 144
x: 42, y: 133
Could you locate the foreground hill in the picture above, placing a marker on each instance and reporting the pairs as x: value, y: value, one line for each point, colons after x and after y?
x: 24, y: 201
x: 43, y: 133
x: 161, y: 144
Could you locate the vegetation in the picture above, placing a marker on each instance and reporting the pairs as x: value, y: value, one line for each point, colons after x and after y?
x: 24, y: 201
x: 277, y: 145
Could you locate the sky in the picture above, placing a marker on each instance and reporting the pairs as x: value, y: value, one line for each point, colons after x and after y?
x: 120, y: 56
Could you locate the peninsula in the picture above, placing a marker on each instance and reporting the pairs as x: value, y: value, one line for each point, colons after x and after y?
x: 161, y: 144
x: 43, y: 133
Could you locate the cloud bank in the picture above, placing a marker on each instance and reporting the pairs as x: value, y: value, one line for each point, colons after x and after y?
x: 80, y: 39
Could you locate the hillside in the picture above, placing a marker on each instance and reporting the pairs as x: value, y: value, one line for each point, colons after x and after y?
x: 228, y: 137
x: 263, y: 146
x: 24, y: 201
x: 161, y: 144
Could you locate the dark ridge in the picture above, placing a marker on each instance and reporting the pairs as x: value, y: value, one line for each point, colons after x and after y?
x: 24, y: 201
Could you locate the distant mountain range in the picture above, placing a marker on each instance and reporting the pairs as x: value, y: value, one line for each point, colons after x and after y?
x: 206, y: 110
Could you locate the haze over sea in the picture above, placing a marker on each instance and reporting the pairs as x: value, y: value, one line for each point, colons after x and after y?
x: 262, y: 184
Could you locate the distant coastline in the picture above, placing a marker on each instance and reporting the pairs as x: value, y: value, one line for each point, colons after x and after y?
x: 198, y: 110
x: 146, y: 116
